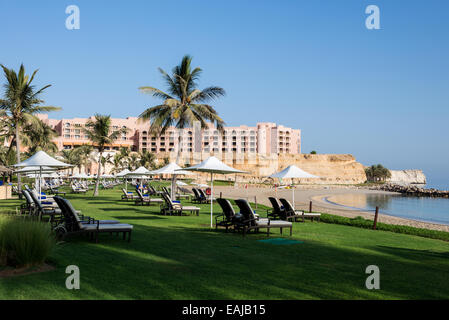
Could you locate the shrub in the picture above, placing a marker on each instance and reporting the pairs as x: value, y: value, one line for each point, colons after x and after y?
x: 361, y: 222
x: 24, y: 242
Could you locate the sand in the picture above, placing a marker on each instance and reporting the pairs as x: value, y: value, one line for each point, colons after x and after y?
x: 316, y: 193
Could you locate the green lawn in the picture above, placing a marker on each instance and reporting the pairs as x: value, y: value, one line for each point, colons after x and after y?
x: 173, y: 257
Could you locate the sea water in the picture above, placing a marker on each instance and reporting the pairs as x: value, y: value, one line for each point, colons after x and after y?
x: 434, y: 210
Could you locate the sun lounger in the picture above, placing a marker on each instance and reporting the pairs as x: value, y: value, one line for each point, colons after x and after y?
x: 251, y: 222
x: 129, y: 195
x: 172, y: 207
x: 93, y: 228
x: 276, y: 211
x: 146, y: 200
x: 228, y: 218
x: 292, y: 214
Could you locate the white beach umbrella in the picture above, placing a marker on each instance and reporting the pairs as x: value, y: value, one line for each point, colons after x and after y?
x: 292, y: 172
x: 212, y: 165
x: 171, y: 169
x: 140, y: 173
x: 123, y: 173
x: 41, y: 159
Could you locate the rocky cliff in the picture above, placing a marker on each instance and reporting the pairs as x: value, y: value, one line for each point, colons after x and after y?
x: 407, y: 177
x: 331, y: 168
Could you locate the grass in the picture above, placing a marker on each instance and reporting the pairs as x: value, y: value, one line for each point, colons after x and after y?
x: 173, y: 257
x: 24, y: 242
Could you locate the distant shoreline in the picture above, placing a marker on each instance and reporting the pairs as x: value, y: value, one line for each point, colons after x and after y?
x: 316, y: 193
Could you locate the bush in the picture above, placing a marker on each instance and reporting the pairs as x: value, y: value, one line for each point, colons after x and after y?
x: 24, y: 242
x: 361, y: 222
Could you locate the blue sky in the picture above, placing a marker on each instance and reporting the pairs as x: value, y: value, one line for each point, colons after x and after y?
x: 381, y: 95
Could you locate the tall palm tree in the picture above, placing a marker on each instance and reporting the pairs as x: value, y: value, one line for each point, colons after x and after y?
x: 147, y: 159
x: 183, y: 103
x: 70, y: 157
x: 99, y: 132
x: 82, y: 154
x: 37, y: 136
x: 21, y: 102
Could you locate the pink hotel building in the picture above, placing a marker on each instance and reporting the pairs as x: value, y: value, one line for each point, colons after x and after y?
x: 264, y: 138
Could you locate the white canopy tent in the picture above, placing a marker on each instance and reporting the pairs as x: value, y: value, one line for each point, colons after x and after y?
x: 171, y: 169
x: 140, y: 173
x: 42, y: 160
x: 292, y: 172
x: 213, y: 165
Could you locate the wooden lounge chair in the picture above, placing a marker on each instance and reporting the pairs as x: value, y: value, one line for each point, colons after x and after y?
x: 129, y: 195
x: 228, y: 218
x: 146, y: 200
x: 172, y: 207
x: 276, y: 211
x: 75, y: 225
x: 292, y: 214
x: 251, y: 222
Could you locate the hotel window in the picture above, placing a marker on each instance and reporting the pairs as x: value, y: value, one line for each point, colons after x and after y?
x: 77, y: 137
x: 224, y: 150
x: 171, y: 149
x: 86, y: 136
x: 252, y: 150
x: 162, y: 149
x: 206, y: 149
x: 252, y: 138
x: 190, y: 150
x: 77, y: 131
x: 216, y: 132
x: 67, y: 136
x: 252, y: 133
x: 144, y: 149
x: 153, y: 149
x: 67, y: 124
x: 206, y: 137
x: 67, y: 130
x: 215, y: 149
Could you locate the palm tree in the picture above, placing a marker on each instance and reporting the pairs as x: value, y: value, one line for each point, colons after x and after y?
x: 133, y: 161
x: 70, y: 157
x: 184, y: 103
x: 99, y: 132
x: 21, y: 102
x: 37, y: 136
x: 147, y: 159
x: 82, y: 154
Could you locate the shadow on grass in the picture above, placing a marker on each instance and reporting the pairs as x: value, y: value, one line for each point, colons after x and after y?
x: 197, y: 263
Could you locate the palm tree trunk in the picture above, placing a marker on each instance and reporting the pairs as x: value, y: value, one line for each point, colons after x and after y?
x: 19, y: 180
x: 97, y: 183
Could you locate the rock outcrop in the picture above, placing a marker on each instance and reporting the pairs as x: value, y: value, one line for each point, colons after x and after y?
x: 406, y: 177
x: 331, y: 168
x: 412, y: 190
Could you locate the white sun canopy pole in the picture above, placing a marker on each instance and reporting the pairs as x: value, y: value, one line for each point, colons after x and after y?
x: 292, y: 172
x: 42, y: 160
x: 213, y: 165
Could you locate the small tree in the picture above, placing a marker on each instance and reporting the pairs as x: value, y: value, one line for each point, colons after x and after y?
x: 313, y: 152
x: 99, y: 132
x: 377, y: 173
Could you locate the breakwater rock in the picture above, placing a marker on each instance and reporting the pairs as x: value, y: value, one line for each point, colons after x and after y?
x: 411, y: 190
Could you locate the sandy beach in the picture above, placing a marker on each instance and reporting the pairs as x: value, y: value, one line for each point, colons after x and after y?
x: 316, y: 193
